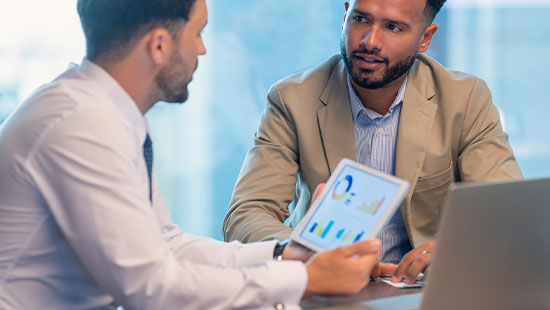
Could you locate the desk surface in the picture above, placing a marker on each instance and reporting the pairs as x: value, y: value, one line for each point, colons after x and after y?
x: 373, y: 296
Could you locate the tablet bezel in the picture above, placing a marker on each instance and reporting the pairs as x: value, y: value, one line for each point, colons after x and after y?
x: 390, y: 210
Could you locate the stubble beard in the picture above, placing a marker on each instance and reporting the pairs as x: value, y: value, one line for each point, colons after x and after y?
x: 171, y: 81
x: 364, y: 77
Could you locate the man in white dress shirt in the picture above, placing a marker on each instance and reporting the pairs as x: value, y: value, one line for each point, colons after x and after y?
x: 83, y: 224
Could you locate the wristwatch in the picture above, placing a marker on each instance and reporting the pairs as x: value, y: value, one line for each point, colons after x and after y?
x: 279, y: 248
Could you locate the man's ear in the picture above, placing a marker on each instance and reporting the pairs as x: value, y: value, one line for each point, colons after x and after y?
x: 159, y: 45
x: 427, y: 37
x: 346, y: 7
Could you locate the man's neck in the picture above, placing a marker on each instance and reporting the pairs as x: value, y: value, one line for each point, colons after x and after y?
x: 379, y: 100
x: 128, y: 77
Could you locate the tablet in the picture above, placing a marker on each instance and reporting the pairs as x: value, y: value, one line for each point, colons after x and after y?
x: 355, y: 204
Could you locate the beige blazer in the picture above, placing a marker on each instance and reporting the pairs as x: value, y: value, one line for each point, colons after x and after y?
x: 449, y: 131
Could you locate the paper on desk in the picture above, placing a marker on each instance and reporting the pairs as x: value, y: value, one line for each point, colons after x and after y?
x: 387, y: 279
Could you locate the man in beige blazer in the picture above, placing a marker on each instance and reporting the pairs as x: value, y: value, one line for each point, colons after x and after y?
x: 448, y: 128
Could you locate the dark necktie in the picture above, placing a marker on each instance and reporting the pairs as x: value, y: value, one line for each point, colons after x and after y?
x: 148, y: 155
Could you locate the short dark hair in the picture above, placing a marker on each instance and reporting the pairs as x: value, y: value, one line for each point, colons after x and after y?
x: 432, y: 8
x: 112, y: 26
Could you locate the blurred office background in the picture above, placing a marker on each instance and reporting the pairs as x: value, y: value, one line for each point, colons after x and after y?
x: 200, y: 146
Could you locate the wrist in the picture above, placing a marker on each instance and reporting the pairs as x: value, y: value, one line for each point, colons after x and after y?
x: 279, y: 249
x: 312, y: 279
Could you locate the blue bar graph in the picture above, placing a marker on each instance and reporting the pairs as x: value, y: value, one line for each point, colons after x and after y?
x: 327, y: 229
x: 358, y: 237
x: 313, y: 227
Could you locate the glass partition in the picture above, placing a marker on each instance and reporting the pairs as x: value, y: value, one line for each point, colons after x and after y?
x: 200, y: 146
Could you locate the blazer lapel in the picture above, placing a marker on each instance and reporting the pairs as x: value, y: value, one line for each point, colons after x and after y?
x: 335, y: 119
x: 417, y: 116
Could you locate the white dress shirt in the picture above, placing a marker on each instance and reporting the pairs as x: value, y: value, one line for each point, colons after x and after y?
x: 77, y: 228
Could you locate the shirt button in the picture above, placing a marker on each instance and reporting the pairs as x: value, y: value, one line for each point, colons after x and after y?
x: 278, y: 307
x: 380, y: 131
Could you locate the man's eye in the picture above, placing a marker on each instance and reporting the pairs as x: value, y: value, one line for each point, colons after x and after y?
x: 393, y: 28
x: 358, y: 19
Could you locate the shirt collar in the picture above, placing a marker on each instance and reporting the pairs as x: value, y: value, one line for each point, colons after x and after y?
x: 357, y: 106
x: 119, y: 97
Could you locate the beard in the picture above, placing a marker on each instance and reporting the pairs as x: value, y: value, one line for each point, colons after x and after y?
x: 171, y: 80
x: 365, y: 78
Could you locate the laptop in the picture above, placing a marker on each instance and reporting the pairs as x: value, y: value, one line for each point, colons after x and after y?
x: 493, y: 248
x: 493, y: 251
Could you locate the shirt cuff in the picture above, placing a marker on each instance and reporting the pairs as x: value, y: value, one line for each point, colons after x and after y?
x: 254, y: 254
x: 287, y: 284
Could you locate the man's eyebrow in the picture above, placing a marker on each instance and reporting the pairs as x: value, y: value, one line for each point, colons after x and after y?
x: 397, y: 22
x: 387, y: 20
x: 359, y: 12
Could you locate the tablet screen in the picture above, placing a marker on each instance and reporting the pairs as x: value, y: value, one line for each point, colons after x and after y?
x: 350, y: 210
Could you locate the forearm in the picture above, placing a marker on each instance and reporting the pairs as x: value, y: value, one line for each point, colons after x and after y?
x: 263, y: 192
x: 193, y: 286
x: 267, y: 182
x: 251, y: 224
x: 187, y: 247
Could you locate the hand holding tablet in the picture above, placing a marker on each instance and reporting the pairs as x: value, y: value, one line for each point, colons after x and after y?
x: 354, y: 205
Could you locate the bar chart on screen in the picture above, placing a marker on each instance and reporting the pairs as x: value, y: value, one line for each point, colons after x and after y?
x: 371, y: 208
x: 319, y: 229
x: 351, y: 209
x: 343, y: 235
x: 347, y: 236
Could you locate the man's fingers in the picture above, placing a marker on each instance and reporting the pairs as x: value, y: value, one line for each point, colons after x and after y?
x: 375, y: 273
x: 371, y: 246
x: 420, y: 263
x: 403, y: 266
x: 423, y: 253
x: 318, y: 191
x: 342, y: 271
x: 386, y: 268
x: 381, y: 269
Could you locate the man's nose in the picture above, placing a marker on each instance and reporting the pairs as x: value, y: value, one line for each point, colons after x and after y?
x: 373, y: 38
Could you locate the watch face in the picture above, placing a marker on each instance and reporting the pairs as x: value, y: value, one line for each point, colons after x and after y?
x: 279, y: 248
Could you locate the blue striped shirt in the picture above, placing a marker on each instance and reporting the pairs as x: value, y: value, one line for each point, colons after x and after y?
x: 375, y: 141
